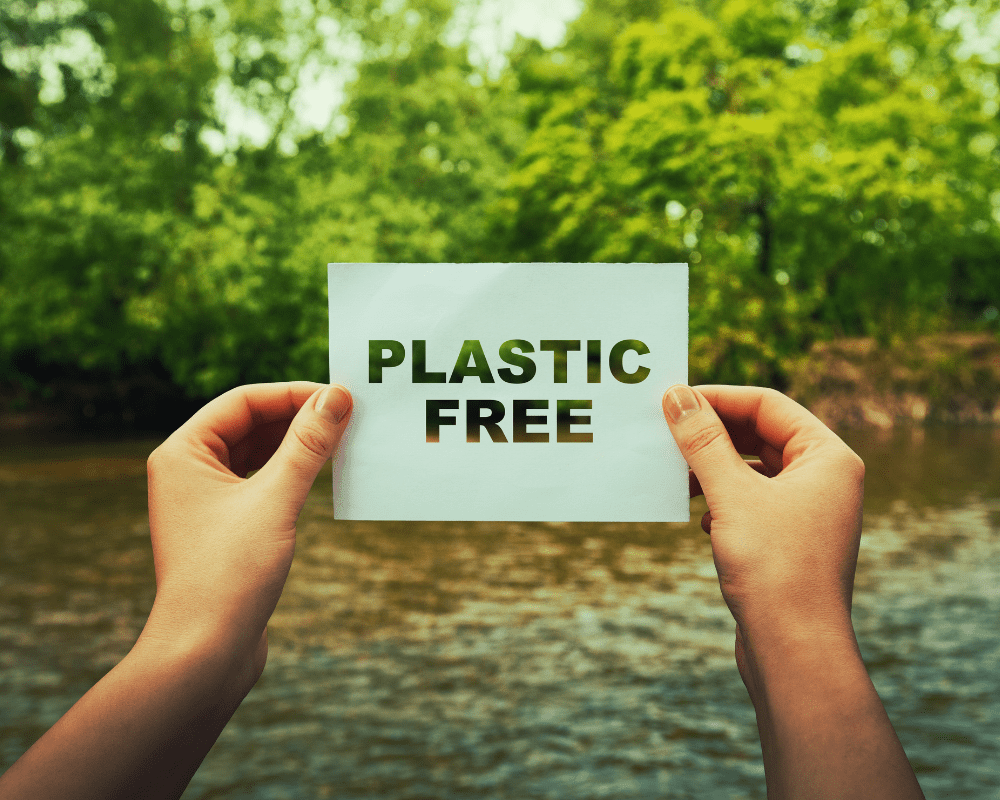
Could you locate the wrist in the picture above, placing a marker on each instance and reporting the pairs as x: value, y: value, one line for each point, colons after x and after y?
x: 823, y: 729
x: 218, y: 661
x: 774, y: 629
x: 800, y: 675
x: 779, y: 648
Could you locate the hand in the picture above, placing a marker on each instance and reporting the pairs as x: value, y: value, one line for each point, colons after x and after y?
x: 785, y: 534
x: 222, y: 542
x: 786, y: 529
x: 222, y: 547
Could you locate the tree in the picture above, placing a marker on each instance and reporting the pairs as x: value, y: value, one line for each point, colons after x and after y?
x: 114, y: 152
x: 131, y: 244
x: 823, y: 172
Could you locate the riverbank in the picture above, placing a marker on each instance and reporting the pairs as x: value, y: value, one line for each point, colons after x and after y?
x: 94, y: 404
x: 848, y: 383
x: 952, y: 378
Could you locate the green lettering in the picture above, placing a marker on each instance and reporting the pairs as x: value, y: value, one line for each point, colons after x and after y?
x: 377, y: 359
x: 615, y: 361
x: 473, y: 351
x: 559, y: 348
x: 518, y: 360
x: 420, y: 373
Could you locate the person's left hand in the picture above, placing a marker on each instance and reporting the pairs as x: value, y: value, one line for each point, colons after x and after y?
x: 222, y: 542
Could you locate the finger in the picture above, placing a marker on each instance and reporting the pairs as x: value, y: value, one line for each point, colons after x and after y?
x: 748, y: 443
x: 771, y: 459
x: 311, y: 439
x: 257, y: 447
x: 706, y: 522
x: 703, y: 440
x: 228, y: 419
x: 767, y: 423
x: 763, y: 468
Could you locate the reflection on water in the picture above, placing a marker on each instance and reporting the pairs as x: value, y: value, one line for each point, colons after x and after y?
x: 565, y: 661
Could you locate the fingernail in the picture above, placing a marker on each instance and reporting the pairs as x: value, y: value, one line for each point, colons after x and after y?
x: 680, y: 403
x: 334, y: 404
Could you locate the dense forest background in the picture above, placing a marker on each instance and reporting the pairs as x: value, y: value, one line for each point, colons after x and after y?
x: 829, y: 168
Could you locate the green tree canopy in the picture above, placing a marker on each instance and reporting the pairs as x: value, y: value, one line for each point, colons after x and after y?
x: 827, y: 167
x: 128, y: 241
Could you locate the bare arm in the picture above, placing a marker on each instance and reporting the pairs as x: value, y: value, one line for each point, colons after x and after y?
x: 785, y: 537
x: 141, y: 731
x: 222, y: 547
x: 824, y: 731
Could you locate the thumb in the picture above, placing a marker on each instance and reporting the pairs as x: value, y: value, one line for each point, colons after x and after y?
x: 311, y: 439
x: 702, y: 438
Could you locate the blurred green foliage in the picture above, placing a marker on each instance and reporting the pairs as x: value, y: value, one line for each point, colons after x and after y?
x: 828, y: 168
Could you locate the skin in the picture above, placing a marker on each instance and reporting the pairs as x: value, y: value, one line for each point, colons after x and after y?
x: 222, y: 547
x: 785, y: 535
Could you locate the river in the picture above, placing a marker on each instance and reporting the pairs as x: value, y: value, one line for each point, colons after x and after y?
x: 518, y: 661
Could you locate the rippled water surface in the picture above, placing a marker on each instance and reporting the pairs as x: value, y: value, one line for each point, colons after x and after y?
x: 512, y: 661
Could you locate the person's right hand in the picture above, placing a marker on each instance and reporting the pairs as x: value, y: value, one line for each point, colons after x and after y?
x: 785, y: 531
x: 785, y: 535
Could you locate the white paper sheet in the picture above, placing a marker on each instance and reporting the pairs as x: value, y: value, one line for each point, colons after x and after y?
x: 388, y: 468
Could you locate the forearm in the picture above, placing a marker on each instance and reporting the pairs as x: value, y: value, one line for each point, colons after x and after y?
x: 140, y: 732
x: 824, y: 731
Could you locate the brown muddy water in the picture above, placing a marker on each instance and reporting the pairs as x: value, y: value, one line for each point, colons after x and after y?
x: 512, y: 661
